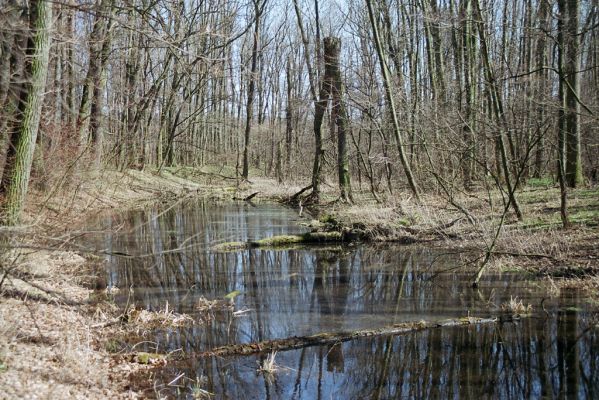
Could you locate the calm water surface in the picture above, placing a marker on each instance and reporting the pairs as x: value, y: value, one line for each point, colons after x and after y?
x: 554, y: 354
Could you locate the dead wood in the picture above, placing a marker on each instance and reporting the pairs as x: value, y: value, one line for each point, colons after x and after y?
x: 250, y: 197
x: 297, y: 342
x: 294, y: 199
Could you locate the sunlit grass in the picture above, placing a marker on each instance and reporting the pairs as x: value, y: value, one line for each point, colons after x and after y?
x: 269, y: 365
x: 516, y: 306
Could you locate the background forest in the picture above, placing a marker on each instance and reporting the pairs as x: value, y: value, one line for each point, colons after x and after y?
x: 436, y: 96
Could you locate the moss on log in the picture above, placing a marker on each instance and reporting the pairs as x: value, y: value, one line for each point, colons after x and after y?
x: 297, y: 342
x: 310, y: 237
x: 282, y: 241
x: 230, y: 246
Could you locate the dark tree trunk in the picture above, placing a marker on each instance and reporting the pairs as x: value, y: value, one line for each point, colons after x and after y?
x: 258, y: 9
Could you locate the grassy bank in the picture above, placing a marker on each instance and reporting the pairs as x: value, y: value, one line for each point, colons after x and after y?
x: 53, y: 333
x: 55, y: 336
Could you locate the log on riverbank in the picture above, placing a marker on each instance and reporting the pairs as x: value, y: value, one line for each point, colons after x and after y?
x: 297, y: 342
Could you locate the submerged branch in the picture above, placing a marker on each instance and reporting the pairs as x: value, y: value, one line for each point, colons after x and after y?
x: 297, y: 342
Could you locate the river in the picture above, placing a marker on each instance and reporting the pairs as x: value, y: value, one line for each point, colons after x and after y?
x: 307, y: 290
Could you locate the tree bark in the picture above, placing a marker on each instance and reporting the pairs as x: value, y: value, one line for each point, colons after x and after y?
x: 15, y: 181
x: 332, y: 50
x: 258, y: 9
x: 319, y: 339
x: 569, y: 10
x: 88, y: 108
x: 541, y: 85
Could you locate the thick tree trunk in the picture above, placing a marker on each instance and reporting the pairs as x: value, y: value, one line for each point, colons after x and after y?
x: 89, y: 107
x: 569, y: 10
x: 12, y: 66
x: 15, y: 181
x: 332, y: 50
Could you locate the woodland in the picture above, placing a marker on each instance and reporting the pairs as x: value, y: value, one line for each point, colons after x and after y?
x: 396, y: 97
x: 462, y: 126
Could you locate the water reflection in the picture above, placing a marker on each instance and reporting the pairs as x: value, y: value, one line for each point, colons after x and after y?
x: 527, y: 360
x: 304, y: 291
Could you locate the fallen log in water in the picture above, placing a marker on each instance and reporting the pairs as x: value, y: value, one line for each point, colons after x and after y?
x: 283, y: 240
x: 297, y: 342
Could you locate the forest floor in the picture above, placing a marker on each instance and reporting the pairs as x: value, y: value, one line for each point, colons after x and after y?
x: 55, y: 330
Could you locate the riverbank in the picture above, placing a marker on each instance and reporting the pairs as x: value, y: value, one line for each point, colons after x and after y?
x: 56, y: 330
x: 53, y: 333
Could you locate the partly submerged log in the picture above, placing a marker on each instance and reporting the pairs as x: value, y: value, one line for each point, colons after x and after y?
x: 297, y: 342
x: 283, y: 240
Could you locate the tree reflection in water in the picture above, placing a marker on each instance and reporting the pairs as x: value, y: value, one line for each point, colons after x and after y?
x: 310, y: 290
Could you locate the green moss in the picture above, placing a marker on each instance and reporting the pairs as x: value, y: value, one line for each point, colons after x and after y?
x: 279, y: 240
x: 328, y: 219
x: 148, y: 358
x: 403, y: 222
x: 310, y: 237
x: 232, y: 295
x: 230, y: 246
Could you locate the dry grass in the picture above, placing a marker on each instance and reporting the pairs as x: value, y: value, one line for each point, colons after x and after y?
x: 269, y: 365
x: 64, y: 208
x: 199, y: 393
x: 48, y: 348
x: 153, y: 319
x: 516, y: 306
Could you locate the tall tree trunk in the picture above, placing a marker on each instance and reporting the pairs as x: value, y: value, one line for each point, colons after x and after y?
x: 562, y: 124
x: 498, y: 111
x: 541, y: 85
x: 12, y: 68
x: 258, y: 9
x: 320, y: 108
x: 93, y: 78
x: 96, y: 114
x: 319, y: 105
x: 15, y: 181
x: 289, y: 117
x: 332, y: 50
x: 568, y: 13
x: 468, y: 54
x: 390, y: 101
